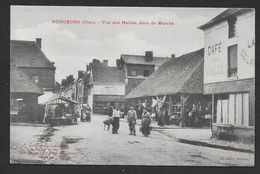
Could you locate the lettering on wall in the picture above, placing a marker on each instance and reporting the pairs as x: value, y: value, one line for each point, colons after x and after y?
x: 214, y: 49
x: 245, y: 52
x: 214, y: 53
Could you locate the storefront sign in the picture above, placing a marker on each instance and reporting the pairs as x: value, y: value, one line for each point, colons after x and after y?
x: 108, y: 97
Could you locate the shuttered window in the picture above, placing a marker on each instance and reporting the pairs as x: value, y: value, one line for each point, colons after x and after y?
x: 234, y: 110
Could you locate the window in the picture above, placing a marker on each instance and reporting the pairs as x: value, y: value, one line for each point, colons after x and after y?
x: 133, y: 73
x: 233, y: 110
x: 232, y: 27
x: 232, y: 61
x: 35, y: 78
x: 17, y: 105
x: 146, y: 73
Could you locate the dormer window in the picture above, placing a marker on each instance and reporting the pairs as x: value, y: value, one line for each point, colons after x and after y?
x: 232, y: 26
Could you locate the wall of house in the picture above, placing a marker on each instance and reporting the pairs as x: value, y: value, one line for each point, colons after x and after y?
x: 46, y: 76
x: 30, y: 111
x: 90, y: 97
x: 109, y: 89
x: 216, y: 46
x: 139, y: 69
x: 132, y: 82
x: 234, y: 115
x: 80, y: 91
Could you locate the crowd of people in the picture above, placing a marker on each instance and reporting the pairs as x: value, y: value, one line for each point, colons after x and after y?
x: 146, y: 115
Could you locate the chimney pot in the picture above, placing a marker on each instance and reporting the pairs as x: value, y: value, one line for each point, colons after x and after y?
x: 172, y: 55
x: 148, y: 55
x: 105, y: 62
x: 39, y: 42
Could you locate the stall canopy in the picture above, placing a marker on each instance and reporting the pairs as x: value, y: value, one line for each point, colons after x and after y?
x: 178, y: 75
x: 59, y: 99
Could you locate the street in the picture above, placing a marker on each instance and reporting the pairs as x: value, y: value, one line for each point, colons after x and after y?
x: 87, y: 144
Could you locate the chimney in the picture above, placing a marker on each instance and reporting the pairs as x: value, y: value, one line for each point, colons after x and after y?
x: 80, y: 74
x: 39, y: 42
x: 105, y: 62
x: 148, y: 55
x: 173, y: 56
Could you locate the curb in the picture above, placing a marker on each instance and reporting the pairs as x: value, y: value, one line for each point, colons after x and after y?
x: 200, y: 143
x: 205, y: 144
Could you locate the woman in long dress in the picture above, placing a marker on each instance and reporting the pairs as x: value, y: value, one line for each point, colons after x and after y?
x: 146, y: 121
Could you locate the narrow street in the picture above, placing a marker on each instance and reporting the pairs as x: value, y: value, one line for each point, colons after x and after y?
x: 88, y: 144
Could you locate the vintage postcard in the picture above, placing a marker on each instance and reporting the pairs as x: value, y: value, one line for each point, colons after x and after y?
x: 143, y: 86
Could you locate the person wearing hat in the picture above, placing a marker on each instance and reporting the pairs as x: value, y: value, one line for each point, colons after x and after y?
x: 131, y: 119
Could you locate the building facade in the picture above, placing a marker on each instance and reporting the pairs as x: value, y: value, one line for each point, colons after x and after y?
x: 24, y: 95
x: 106, y: 86
x: 75, y: 89
x: 137, y: 68
x: 229, y: 73
x: 29, y: 66
x: 28, y: 57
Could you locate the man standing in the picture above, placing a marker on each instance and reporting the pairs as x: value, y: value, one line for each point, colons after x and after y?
x: 88, y: 113
x: 131, y: 119
x: 116, y: 116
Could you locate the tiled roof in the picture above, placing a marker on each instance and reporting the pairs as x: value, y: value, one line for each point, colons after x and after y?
x: 224, y: 15
x: 107, y: 74
x: 180, y: 75
x: 28, y: 54
x: 20, y: 83
x: 138, y: 59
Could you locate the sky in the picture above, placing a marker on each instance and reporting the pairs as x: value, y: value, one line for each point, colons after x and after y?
x: 73, y: 46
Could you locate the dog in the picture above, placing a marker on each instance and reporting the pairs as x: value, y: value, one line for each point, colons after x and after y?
x: 107, y: 123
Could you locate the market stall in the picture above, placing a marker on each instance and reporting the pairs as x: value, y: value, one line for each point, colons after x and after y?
x: 60, y: 110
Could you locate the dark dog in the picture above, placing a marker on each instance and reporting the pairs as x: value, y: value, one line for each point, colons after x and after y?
x: 107, y: 123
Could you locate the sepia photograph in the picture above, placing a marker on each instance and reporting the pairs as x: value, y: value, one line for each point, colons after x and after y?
x: 138, y: 86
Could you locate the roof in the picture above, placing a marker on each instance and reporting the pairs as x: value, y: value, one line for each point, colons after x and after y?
x: 224, y: 15
x: 28, y: 54
x: 107, y: 74
x: 55, y: 98
x: 180, y: 75
x: 138, y: 59
x: 20, y: 83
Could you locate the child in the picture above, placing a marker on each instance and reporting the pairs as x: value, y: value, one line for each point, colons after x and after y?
x: 107, y: 123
